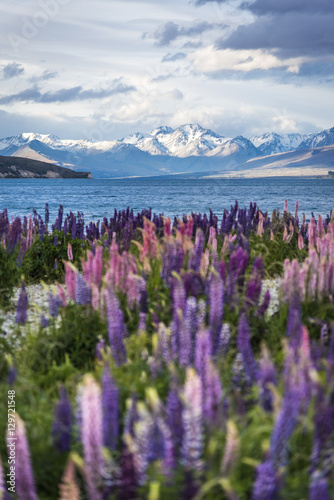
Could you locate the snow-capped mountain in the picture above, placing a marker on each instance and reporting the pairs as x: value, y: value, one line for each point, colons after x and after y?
x: 324, y: 138
x: 271, y: 143
x: 188, y: 148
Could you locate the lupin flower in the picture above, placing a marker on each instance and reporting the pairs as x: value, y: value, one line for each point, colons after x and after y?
x: 192, y: 417
x: 25, y: 484
x: 116, y: 327
x: 92, y: 437
x: 82, y: 290
x: 224, y: 338
x: 319, y: 488
x: 62, y: 423
x: 232, y: 448
x: 265, y: 304
x: 128, y: 476
x: 70, y: 278
x: 266, y: 376
x: 110, y: 409
x: 53, y: 305
x: 68, y: 488
x: 69, y: 251
x: 196, y: 253
x: 212, y: 394
x: 203, y: 352
x: 245, y: 348
x: 22, y: 305
x: 44, y: 321
x: 300, y: 241
x: 174, y: 420
x: 266, y: 485
x: 216, y: 297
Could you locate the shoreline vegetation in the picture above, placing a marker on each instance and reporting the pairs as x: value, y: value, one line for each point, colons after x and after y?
x: 12, y: 167
x: 160, y: 366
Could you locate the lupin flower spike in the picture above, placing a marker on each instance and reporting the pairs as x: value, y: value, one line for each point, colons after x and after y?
x: 22, y: 305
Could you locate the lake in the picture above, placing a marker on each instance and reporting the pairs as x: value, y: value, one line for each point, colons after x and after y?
x: 97, y: 198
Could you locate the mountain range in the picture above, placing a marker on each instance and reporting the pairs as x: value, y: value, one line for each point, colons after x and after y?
x: 188, y: 149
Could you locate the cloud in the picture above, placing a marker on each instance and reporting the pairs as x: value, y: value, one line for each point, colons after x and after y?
x: 46, y: 75
x: 263, y: 7
x: 173, y: 57
x: 11, y: 70
x: 64, y: 95
x: 210, y: 60
x: 170, y: 31
x: 297, y: 33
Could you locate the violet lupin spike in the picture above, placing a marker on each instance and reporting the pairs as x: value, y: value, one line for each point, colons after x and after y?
x: 319, y: 489
x: 192, y: 421
x: 62, y: 423
x: 25, y: 484
x: 245, y: 348
x: 110, y: 409
x: 216, y: 294
x: 265, y: 304
x: 92, y: 438
x: 266, y: 376
x: 22, y: 306
x: 116, y: 327
x: 203, y: 352
x: 212, y: 394
x: 266, y: 485
x: 174, y: 420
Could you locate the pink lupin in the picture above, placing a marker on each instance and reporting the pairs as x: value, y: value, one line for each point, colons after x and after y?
x: 62, y: 295
x: 190, y: 226
x: 321, y: 229
x: 167, y: 227
x: 286, y: 206
x: 312, y: 233
x: 69, y: 251
x: 30, y: 232
x: 285, y: 233
x: 92, y: 438
x: 70, y: 280
x: 296, y: 209
x: 300, y: 241
x: 97, y: 266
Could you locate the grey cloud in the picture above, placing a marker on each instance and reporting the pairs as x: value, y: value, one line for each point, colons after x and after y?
x: 174, y: 57
x: 295, y: 34
x: 192, y: 45
x: 64, y: 95
x: 46, y: 75
x: 11, y: 70
x: 170, y: 31
x: 262, y: 7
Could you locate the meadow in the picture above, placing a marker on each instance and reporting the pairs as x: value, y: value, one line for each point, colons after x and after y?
x: 159, y: 371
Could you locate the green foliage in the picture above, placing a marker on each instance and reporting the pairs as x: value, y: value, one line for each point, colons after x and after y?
x: 67, y: 345
x: 9, y: 276
x: 44, y: 259
x: 274, y: 252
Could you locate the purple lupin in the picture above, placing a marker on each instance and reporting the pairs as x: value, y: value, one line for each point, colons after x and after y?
x: 92, y: 437
x: 319, y: 489
x: 22, y: 306
x: 192, y: 421
x: 174, y: 420
x: 62, y: 423
x: 25, y: 484
x: 266, y: 376
x: 245, y: 348
x: 216, y: 297
x: 3, y: 490
x: 266, y: 485
x: 116, y: 327
x: 110, y: 410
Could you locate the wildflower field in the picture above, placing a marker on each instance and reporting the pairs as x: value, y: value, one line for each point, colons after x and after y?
x: 158, y: 372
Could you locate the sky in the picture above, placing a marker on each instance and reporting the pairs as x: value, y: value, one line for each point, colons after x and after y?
x: 103, y: 69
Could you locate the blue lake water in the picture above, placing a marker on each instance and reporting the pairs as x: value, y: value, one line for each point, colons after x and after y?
x: 97, y: 198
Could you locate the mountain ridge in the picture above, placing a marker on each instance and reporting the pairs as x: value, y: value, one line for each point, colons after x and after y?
x: 188, y: 148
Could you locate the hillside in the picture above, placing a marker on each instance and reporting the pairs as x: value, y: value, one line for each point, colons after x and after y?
x: 12, y: 167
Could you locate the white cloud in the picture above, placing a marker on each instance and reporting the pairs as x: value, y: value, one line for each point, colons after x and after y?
x: 209, y: 60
